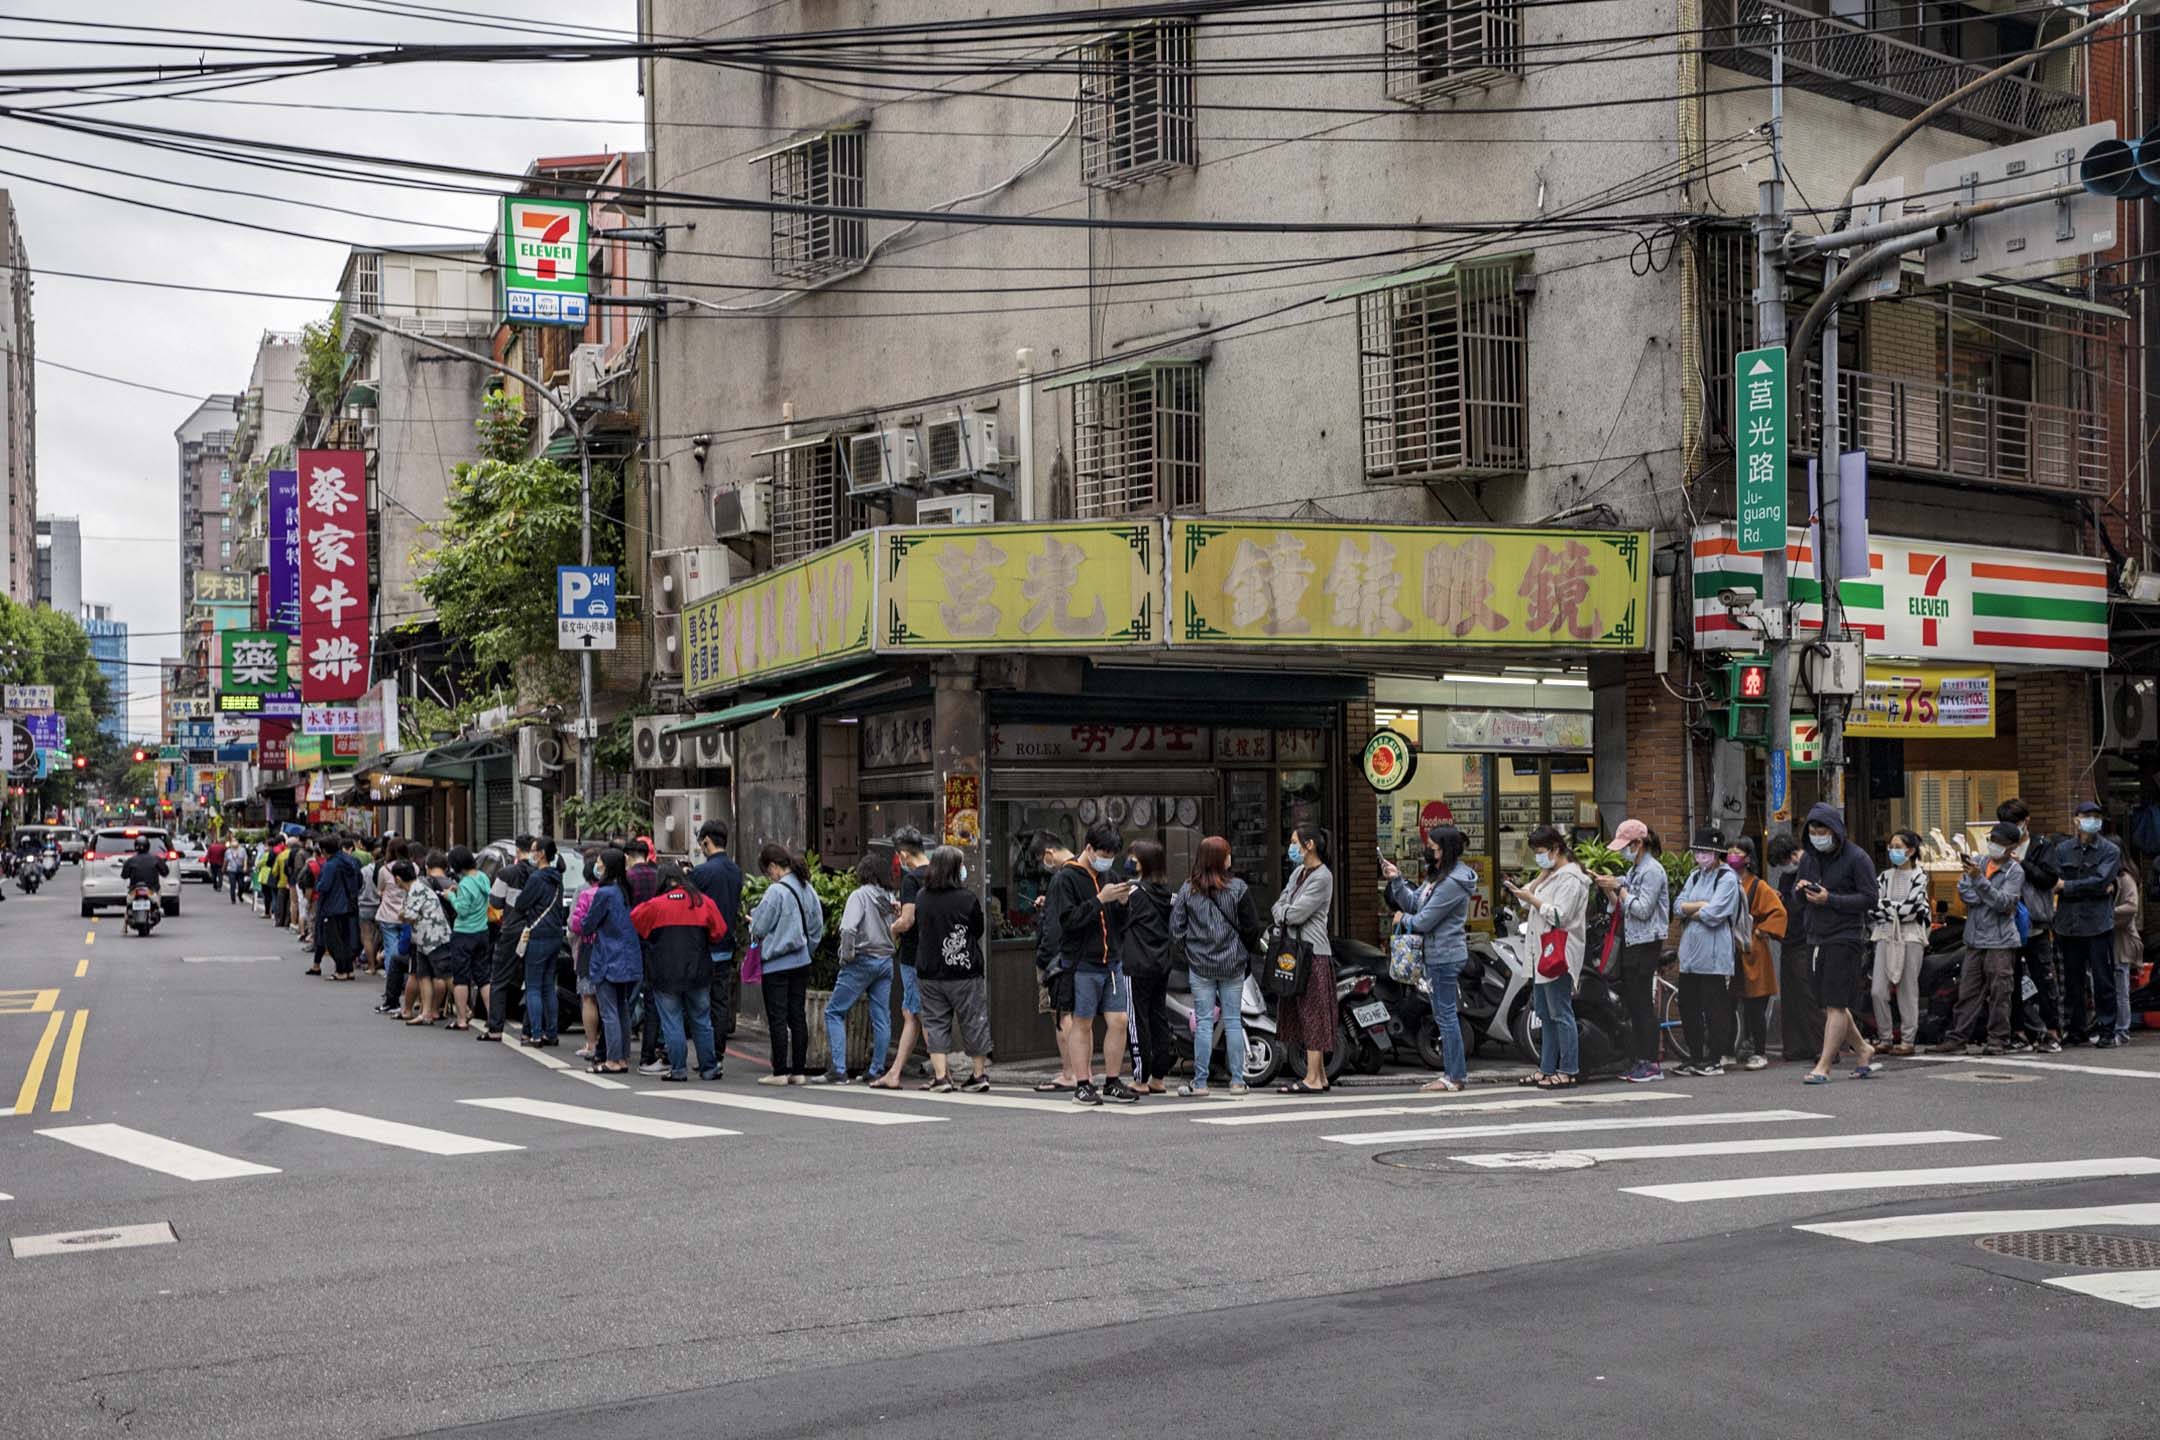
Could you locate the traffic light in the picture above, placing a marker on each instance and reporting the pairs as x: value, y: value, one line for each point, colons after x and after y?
x: 140, y: 755
x: 1742, y: 707
x: 2123, y: 169
x: 82, y: 762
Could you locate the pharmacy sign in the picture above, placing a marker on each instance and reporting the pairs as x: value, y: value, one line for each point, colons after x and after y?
x: 544, y: 270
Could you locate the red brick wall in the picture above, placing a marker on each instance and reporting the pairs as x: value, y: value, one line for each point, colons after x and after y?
x: 1656, y: 745
x: 1357, y: 873
x: 2055, y: 746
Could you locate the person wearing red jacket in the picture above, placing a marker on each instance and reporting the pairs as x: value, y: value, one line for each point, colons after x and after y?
x: 680, y: 927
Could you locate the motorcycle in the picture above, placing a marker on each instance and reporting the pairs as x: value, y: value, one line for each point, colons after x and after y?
x: 143, y: 910
x: 1365, y: 1024
x: 1604, y: 1032
x: 29, y: 875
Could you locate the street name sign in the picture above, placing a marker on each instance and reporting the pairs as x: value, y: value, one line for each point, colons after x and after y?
x: 1760, y: 439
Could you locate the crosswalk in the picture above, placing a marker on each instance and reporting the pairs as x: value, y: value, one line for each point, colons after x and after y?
x: 2139, y: 1289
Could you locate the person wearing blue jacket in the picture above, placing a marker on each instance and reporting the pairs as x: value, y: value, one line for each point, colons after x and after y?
x: 618, y: 959
x: 1437, y: 912
x: 1709, y: 905
x: 787, y: 925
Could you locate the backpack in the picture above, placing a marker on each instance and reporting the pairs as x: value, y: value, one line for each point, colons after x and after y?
x: 428, y: 912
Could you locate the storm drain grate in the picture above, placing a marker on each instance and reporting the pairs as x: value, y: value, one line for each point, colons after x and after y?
x: 2075, y: 1247
x: 1985, y: 1077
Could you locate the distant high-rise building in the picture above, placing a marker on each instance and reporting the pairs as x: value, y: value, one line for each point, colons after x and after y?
x: 205, y: 442
x: 18, y: 416
x: 109, y: 647
x: 59, y: 563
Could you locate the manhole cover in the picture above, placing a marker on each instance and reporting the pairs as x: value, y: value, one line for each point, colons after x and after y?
x: 1440, y: 1160
x: 77, y: 1242
x: 1985, y: 1077
x: 2075, y: 1247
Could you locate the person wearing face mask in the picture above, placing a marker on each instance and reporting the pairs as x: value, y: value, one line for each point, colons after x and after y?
x: 587, y: 988
x: 2086, y: 866
x: 2042, y: 1019
x: 1643, y: 897
x: 1992, y: 889
x: 1435, y: 912
x: 1307, y: 1022
x: 1800, y: 1017
x: 1755, y: 978
x: 1557, y: 902
x: 1836, y: 889
x: 1899, y: 927
x: 2129, y: 950
x: 1709, y: 904
x: 1081, y: 914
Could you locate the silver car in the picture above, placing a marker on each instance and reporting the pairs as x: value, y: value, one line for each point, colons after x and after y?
x: 194, y: 861
x: 110, y: 847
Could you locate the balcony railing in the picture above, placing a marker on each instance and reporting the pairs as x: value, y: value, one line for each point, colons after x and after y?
x: 1850, y: 62
x: 1923, y: 428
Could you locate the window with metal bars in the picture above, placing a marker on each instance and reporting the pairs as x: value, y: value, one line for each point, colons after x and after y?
x: 1437, y: 48
x: 1444, y: 371
x: 1140, y: 442
x: 366, y: 297
x: 810, y: 505
x: 1136, y: 104
x: 827, y: 171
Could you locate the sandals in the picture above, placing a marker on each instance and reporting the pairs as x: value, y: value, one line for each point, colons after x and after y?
x: 1868, y: 1071
x: 1299, y: 1087
x: 1441, y: 1086
x: 1051, y: 1087
x: 1556, y: 1082
x: 1532, y: 1082
x: 1190, y: 1092
x: 881, y: 1085
x: 1811, y: 1078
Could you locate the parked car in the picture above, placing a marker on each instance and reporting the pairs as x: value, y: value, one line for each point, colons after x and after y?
x: 194, y: 861
x: 72, y: 845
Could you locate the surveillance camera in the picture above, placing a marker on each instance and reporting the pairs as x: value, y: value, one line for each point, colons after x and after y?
x: 1732, y: 597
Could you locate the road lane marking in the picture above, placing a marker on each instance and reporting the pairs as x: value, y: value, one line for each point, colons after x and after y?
x: 5, y: 1196
x: 1551, y: 1127
x: 28, y: 1002
x: 82, y: 967
x: 387, y: 1132
x: 796, y: 1107
x: 601, y: 1082
x: 1949, y: 1223
x: 26, y: 1098
x: 1780, y: 1145
x: 1991, y: 1061
x: 63, y: 1095
x: 599, y: 1119
x: 1236, y: 1113
x: 2139, y: 1288
x: 1825, y: 1184
x: 153, y: 1152
x: 561, y: 1067
x: 80, y: 1242
x: 89, y: 937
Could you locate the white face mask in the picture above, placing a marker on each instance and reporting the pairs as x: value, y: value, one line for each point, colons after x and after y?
x: 2088, y: 824
x: 1822, y: 842
x: 1545, y: 859
x: 1996, y: 852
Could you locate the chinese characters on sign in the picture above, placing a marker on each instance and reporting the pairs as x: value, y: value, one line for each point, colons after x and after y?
x: 254, y: 662
x: 1920, y: 700
x: 334, y: 648
x: 20, y: 698
x: 330, y: 720
x: 1028, y: 587
x: 895, y: 739
x: 1107, y: 742
x: 963, y: 809
x: 215, y: 586
x: 1759, y: 448
x: 813, y: 611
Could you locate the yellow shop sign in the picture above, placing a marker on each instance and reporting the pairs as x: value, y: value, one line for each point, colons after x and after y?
x: 809, y: 613
x: 1080, y: 586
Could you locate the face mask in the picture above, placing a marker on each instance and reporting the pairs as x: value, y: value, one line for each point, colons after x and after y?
x: 963, y: 874
x: 1996, y: 852
x: 1545, y: 859
x: 1101, y: 863
x: 1822, y: 842
x: 1432, y: 861
x: 1897, y: 857
x: 1295, y: 854
x: 1704, y: 859
x: 2088, y: 824
x: 1738, y: 863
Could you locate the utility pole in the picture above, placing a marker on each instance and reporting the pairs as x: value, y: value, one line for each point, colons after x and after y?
x: 1830, y: 709
x: 1771, y: 226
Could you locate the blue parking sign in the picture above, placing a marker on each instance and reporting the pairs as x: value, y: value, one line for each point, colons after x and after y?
x: 585, y: 607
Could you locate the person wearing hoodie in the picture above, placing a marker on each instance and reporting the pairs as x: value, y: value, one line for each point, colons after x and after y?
x: 1214, y: 922
x: 1709, y: 904
x: 866, y: 968
x: 1992, y: 889
x: 1899, y: 927
x: 1144, y: 947
x: 1835, y: 887
x: 788, y: 924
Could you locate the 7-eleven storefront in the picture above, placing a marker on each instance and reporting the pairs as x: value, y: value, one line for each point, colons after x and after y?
x: 1980, y: 678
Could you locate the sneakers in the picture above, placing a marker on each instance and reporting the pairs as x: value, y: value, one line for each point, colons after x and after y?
x: 1948, y: 1047
x: 772, y: 1079
x: 712, y: 1075
x: 673, y: 1079
x: 1726, y: 1062
x: 386, y: 1009
x: 1687, y: 1071
x: 1756, y: 1062
x: 2051, y: 1046
x: 943, y: 1086
x: 976, y: 1085
x: 1117, y: 1092
x: 1235, y: 1092
x: 1084, y: 1094
x: 1708, y: 1072
x: 657, y: 1067
x: 798, y: 1079
x: 830, y: 1077
x: 1193, y: 1092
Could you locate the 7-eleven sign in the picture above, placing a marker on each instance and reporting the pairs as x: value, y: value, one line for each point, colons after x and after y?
x: 1806, y: 747
x: 543, y: 261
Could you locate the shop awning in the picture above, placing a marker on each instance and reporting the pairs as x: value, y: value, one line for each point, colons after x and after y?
x: 796, y: 442
x: 750, y: 710
x: 453, y: 761
x: 1116, y: 369
x: 606, y: 444
x: 1423, y: 275
x: 366, y: 394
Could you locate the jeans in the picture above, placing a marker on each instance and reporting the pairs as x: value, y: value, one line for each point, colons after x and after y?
x: 698, y: 1002
x: 1554, y: 1001
x: 786, y: 995
x: 232, y: 891
x: 2088, y: 967
x: 541, y: 1002
x: 1706, y: 1017
x: 722, y: 995
x: 614, y: 997
x: 1208, y: 996
x: 1151, y: 1021
x: 1446, y: 982
x: 869, y: 975
x: 217, y: 878
x: 396, y: 947
x: 2122, y: 1004
x: 1638, y: 974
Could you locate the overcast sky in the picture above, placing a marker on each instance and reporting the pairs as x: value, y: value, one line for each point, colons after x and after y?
x: 106, y: 451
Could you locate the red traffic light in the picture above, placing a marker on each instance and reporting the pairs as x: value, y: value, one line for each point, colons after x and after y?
x: 82, y: 762
x: 1751, y: 682
x: 141, y: 755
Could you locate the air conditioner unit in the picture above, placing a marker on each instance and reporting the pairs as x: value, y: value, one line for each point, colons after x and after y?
x: 667, y: 646
x: 677, y: 814
x: 2132, y: 711
x: 743, y: 511
x: 880, y: 461
x: 956, y: 510
x: 588, y: 367
x: 709, y: 569
x: 709, y: 750
x: 651, y: 746
x: 540, y: 755
x: 669, y: 581
x: 963, y: 445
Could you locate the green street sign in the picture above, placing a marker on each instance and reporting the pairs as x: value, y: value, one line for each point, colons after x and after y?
x: 171, y: 754
x: 1759, y: 448
x: 254, y: 663
x: 544, y: 273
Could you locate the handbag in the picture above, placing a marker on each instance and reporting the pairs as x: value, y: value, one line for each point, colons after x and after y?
x: 1405, y: 957
x: 753, y: 962
x: 1287, y: 965
x: 1552, y: 955
x: 1608, y: 958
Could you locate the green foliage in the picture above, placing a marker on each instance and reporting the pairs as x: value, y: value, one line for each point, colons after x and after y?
x: 1678, y: 866
x: 1601, y: 859
x: 44, y: 647
x: 621, y: 813
x: 322, y: 359
x: 511, y: 520
x: 832, y: 888
x: 616, y: 749
x: 423, y: 717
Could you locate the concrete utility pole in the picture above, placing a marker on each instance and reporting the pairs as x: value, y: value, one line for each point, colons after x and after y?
x: 1771, y: 227
x: 584, y: 450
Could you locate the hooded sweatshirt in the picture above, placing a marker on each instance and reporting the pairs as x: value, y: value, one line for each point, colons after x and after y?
x: 1846, y: 872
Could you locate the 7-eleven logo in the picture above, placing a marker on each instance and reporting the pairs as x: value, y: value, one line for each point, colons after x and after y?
x: 546, y: 241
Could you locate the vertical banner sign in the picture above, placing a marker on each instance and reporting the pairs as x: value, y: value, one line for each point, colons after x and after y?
x: 1759, y: 439
x: 333, y: 575
x: 284, y: 602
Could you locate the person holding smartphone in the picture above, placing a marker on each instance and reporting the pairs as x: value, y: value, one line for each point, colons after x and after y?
x: 1082, y: 916
x: 1835, y: 886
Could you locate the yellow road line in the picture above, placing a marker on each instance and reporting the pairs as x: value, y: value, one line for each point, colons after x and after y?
x: 82, y: 967
x: 90, y: 937
x: 28, y: 1002
x: 26, y: 1098
x: 63, y: 1094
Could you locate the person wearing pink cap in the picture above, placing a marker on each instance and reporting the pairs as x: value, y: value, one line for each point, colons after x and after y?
x: 1642, y: 901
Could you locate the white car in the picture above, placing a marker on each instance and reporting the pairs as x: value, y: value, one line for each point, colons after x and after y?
x: 110, y: 847
x: 194, y: 862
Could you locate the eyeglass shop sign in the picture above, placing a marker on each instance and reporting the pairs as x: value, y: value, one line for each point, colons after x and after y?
x: 544, y: 272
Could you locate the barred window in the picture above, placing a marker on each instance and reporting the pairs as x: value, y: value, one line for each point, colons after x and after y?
x: 810, y: 507
x: 825, y: 171
x: 1438, y: 48
x: 1136, y: 104
x: 1443, y: 362
x: 1140, y: 441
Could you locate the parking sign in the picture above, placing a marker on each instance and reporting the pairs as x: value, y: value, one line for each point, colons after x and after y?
x: 585, y: 607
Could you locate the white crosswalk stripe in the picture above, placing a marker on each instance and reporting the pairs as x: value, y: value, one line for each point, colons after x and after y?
x: 2138, y: 1288
x: 1239, y: 1114
x: 1778, y: 1146
x: 616, y: 1120
x: 805, y: 1109
x: 1952, y: 1223
x: 387, y: 1132
x: 2121, y: 1072
x: 1825, y: 1184
x: 1559, y: 1127
x: 153, y: 1152
x: 983, y: 1102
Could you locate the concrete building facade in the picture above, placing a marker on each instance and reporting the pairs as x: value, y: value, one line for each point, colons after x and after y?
x: 18, y: 415
x: 59, y: 563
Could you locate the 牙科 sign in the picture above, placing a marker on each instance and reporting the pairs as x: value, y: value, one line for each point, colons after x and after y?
x: 544, y: 274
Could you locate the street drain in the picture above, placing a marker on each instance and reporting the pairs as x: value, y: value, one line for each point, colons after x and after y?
x: 1985, y: 1077
x: 2074, y: 1247
x: 79, y: 1242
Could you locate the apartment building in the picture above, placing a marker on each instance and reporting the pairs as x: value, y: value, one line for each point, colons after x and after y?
x: 18, y: 415
x: 59, y: 563
x: 264, y: 423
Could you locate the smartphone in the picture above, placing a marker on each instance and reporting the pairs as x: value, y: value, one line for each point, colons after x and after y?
x: 1381, y: 853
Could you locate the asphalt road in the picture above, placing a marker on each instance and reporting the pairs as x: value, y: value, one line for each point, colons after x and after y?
x: 1182, y: 1267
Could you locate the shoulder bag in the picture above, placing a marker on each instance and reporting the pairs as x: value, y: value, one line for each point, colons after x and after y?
x: 1287, y: 965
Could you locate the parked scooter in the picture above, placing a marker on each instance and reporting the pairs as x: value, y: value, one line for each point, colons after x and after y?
x: 1366, y: 1027
x: 143, y: 910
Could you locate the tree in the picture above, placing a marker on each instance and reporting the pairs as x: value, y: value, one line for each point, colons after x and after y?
x: 44, y: 647
x: 322, y: 359
x: 512, y: 518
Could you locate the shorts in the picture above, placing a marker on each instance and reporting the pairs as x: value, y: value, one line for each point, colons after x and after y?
x: 1100, y: 992
x: 438, y: 964
x: 472, y: 957
x: 910, y: 991
x: 962, y: 1005
x: 1838, y: 984
x: 1057, y: 994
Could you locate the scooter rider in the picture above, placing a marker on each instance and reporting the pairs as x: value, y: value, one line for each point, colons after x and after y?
x: 143, y: 868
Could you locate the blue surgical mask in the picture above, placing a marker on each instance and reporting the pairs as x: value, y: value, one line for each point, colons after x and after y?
x: 1295, y: 854
x: 2088, y: 824
x: 1897, y: 855
x: 1545, y: 859
x: 1822, y: 842
x: 1101, y: 863
x: 963, y: 874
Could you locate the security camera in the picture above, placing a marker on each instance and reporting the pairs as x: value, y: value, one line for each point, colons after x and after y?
x: 1732, y: 597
